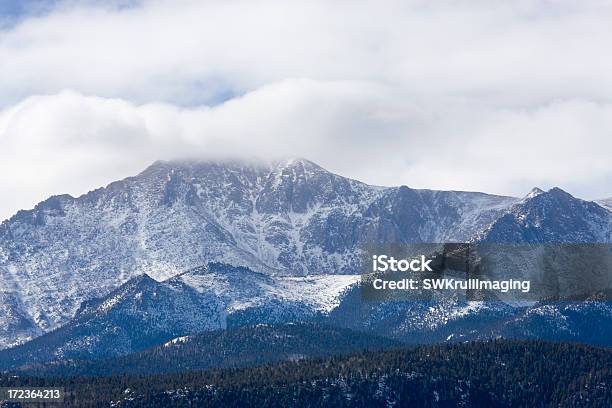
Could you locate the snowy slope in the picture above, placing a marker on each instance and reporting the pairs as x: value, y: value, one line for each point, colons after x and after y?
x: 241, y: 288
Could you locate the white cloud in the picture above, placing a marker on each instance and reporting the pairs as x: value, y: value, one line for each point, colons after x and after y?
x: 71, y: 143
x: 490, y: 96
x: 183, y: 51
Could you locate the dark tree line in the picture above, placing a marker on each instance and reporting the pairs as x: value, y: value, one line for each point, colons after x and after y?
x: 499, y: 373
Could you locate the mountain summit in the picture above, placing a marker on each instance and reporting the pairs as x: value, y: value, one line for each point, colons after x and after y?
x: 554, y: 216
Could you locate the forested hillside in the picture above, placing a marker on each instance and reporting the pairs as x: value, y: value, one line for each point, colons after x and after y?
x: 486, y: 374
x: 231, y: 348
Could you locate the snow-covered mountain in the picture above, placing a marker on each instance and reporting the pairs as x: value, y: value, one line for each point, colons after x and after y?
x: 143, y: 312
x: 139, y: 314
x: 287, y: 218
x: 296, y: 229
x: 551, y: 217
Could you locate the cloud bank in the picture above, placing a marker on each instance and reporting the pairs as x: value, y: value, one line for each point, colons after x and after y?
x: 487, y: 96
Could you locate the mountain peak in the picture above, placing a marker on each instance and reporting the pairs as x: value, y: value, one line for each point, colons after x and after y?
x: 298, y: 163
x: 144, y: 278
x: 556, y: 191
x: 536, y: 191
x: 551, y: 216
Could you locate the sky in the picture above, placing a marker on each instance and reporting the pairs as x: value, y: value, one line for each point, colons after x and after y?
x: 478, y: 95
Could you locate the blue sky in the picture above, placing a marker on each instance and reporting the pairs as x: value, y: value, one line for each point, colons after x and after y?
x: 490, y: 96
x: 13, y: 8
x: 13, y: 11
